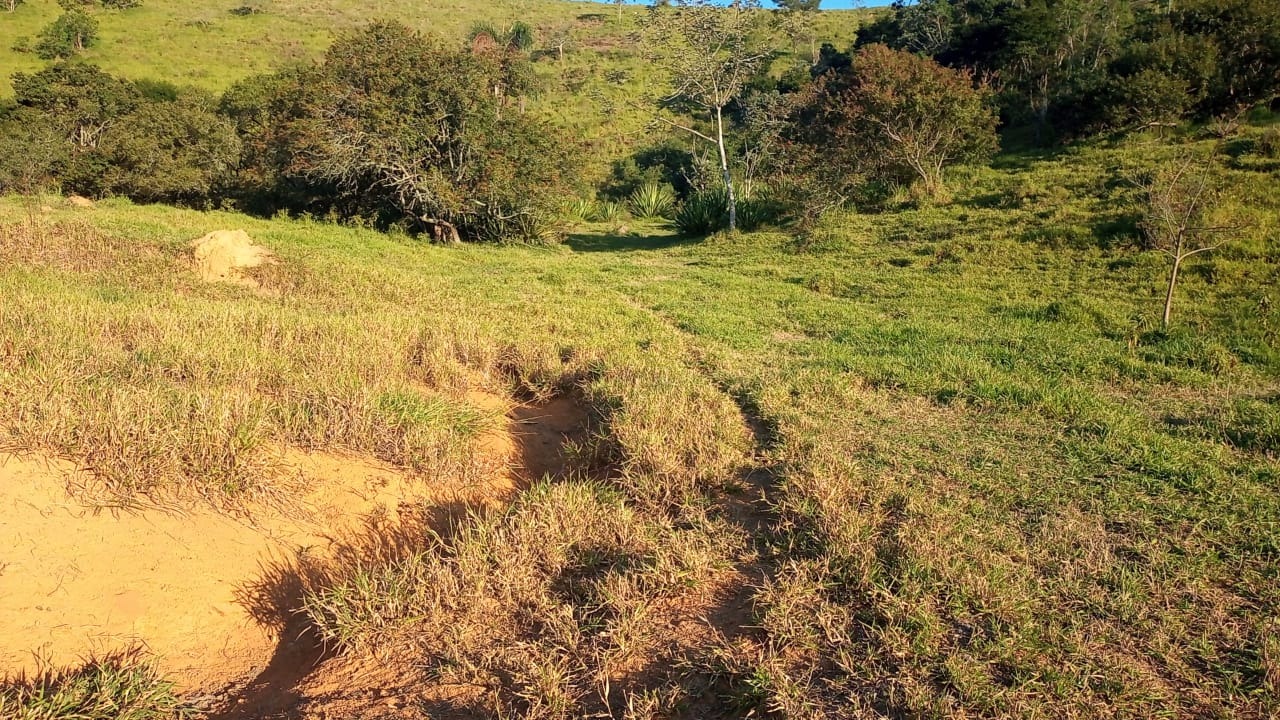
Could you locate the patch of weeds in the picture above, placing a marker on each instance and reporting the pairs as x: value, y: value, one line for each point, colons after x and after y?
x: 120, y: 686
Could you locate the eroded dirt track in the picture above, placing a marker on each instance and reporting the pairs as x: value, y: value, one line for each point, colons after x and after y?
x: 199, y: 588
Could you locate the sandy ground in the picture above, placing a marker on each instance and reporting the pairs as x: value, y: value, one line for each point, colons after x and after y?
x: 222, y: 254
x: 76, y: 581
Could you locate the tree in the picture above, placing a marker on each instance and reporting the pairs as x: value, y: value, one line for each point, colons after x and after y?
x: 1058, y: 48
x: 1180, y: 202
x: 560, y: 39
x: 31, y: 152
x: 68, y: 35
x: 11, y: 5
x: 894, y: 113
x: 397, y: 125
x: 708, y: 54
x: 618, y: 4
x: 926, y: 26
x: 170, y: 151
x: 1247, y: 36
x: 81, y: 101
x: 796, y: 19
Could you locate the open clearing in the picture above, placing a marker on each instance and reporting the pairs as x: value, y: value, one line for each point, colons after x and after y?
x: 933, y: 433
x: 938, y: 430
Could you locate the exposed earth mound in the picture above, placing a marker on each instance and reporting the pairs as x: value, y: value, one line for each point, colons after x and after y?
x: 221, y: 255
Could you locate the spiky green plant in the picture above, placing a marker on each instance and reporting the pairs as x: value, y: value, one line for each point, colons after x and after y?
x: 609, y: 211
x: 652, y: 200
x: 702, y: 213
x: 584, y: 209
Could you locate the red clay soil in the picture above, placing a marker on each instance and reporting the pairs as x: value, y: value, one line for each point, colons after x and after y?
x: 75, y: 581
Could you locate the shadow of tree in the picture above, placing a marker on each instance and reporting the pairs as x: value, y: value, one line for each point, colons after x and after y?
x: 611, y: 242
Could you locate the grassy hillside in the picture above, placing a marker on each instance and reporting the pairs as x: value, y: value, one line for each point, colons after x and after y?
x: 936, y: 461
x: 207, y: 45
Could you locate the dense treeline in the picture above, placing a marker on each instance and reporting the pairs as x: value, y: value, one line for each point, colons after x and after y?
x: 1072, y: 67
x: 393, y: 127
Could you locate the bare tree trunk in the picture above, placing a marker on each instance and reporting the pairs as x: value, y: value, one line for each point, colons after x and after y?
x: 1168, y: 297
x: 724, y: 168
x: 443, y: 231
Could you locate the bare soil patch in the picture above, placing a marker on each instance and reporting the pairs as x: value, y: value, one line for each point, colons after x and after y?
x: 204, y: 592
x: 221, y: 255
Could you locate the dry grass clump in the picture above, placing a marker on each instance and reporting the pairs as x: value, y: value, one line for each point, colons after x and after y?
x: 543, y: 606
x: 161, y: 386
x: 72, y: 245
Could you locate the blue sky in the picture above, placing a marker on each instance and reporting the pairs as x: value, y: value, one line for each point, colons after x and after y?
x: 826, y: 4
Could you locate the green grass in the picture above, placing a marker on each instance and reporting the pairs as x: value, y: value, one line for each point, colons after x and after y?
x: 941, y: 455
x: 124, y: 686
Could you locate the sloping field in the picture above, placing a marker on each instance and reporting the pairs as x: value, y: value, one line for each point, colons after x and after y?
x: 936, y: 461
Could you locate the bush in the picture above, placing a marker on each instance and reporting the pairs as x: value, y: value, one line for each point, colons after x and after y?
x: 608, y: 211
x: 176, y: 151
x: 702, y: 213
x: 67, y: 36
x: 707, y: 211
x: 584, y: 209
x: 1269, y: 143
x: 395, y: 126
x: 652, y: 200
x: 892, y: 116
x: 663, y: 164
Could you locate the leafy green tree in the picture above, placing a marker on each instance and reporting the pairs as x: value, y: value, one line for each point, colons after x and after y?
x: 895, y: 114
x: 81, y: 101
x: 395, y: 125
x: 1059, y: 50
x: 708, y: 55
x: 170, y: 151
x: 1246, y: 34
x: 31, y: 152
x: 67, y: 36
x: 148, y: 141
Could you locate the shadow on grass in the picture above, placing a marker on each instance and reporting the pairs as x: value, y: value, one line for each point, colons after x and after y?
x: 611, y: 242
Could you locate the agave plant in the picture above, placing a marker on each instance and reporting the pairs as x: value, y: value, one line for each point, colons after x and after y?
x: 609, y: 211
x: 652, y: 200
x: 702, y: 213
x: 584, y: 209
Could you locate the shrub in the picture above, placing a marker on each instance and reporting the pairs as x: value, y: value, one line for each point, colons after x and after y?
x: 652, y: 200
x: 396, y: 126
x: 67, y: 36
x: 1269, y: 143
x: 608, y: 211
x: 176, y: 151
x: 894, y: 115
x: 584, y: 209
x: 702, y: 213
